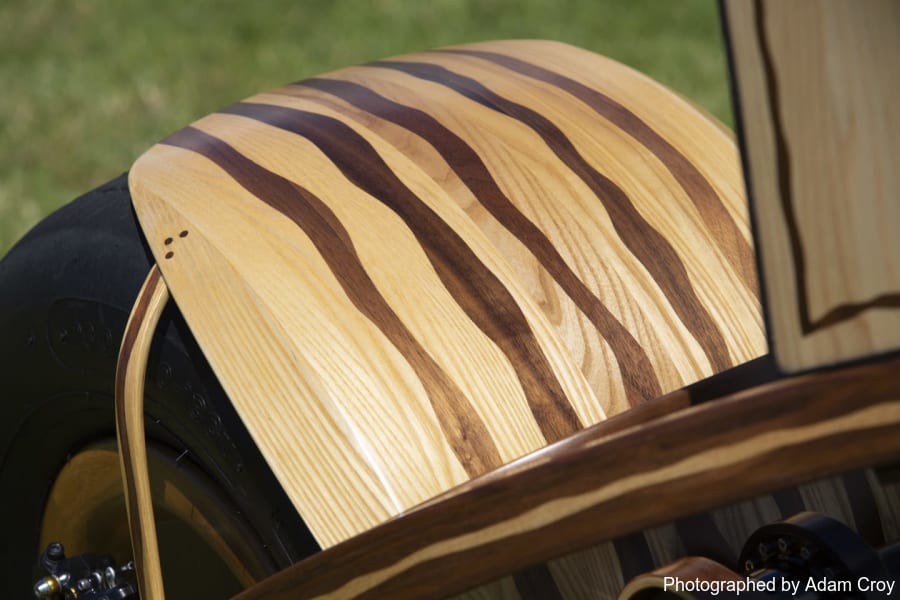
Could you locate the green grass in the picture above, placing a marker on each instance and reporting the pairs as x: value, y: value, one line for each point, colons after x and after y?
x: 90, y: 84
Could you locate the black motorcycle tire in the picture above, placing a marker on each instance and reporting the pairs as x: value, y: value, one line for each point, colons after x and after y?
x: 66, y: 290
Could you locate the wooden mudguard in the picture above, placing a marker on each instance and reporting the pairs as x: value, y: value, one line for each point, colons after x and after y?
x: 409, y: 273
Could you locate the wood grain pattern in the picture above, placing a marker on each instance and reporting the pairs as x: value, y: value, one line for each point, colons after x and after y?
x: 131, y: 372
x: 410, y: 273
x: 518, y: 194
x: 818, y: 84
x: 750, y: 443
x: 601, y: 571
x: 646, y: 244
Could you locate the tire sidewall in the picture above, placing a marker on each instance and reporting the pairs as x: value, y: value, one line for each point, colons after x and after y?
x: 66, y: 290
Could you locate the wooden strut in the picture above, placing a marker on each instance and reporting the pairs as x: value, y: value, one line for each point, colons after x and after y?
x: 131, y: 372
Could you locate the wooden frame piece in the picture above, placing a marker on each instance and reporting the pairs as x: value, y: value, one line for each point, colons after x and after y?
x: 581, y: 491
x: 131, y: 373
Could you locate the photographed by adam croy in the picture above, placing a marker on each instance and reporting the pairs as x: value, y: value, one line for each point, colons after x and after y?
x: 503, y: 319
x: 735, y: 588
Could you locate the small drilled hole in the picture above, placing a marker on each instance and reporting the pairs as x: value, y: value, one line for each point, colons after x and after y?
x: 169, y: 255
x: 169, y: 241
x: 183, y: 233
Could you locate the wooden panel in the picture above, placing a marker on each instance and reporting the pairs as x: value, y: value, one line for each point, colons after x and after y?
x: 410, y: 273
x: 581, y: 492
x: 818, y: 84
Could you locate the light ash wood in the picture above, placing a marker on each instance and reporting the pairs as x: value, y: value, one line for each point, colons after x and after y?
x: 330, y: 380
x: 578, y: 227
x: 131, y: 374
x: 818, y: 84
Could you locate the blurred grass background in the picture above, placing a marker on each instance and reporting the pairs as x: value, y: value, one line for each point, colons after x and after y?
x: 87, y: 85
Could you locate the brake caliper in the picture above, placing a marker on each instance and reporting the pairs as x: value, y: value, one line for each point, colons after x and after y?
x: 83, y: 577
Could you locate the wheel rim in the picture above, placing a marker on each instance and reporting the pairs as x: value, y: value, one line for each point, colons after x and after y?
x: 85, y: 511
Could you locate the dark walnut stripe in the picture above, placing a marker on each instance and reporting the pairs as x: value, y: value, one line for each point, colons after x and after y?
x: 783, y: 167
x: 654, y: 252
x: 638, y: 376
x: 716, y: 217
x: 830, y: 423
x: 465, y: 432
x: 138, y: 313
x: 478, y: 291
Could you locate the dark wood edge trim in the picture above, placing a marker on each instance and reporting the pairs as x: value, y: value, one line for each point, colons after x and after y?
x: 585, y: 490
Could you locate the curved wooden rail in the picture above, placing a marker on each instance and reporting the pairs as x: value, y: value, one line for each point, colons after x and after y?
x: 131, y: 373
x: 583, y: 490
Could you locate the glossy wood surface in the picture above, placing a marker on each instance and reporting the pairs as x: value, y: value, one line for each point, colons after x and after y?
x: 131, y: 373
x: 817, y: 85
x: 410, y: 273
x: 592, y: 488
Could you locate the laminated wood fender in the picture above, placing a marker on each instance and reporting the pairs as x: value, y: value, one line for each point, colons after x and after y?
x: 409, y: 273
